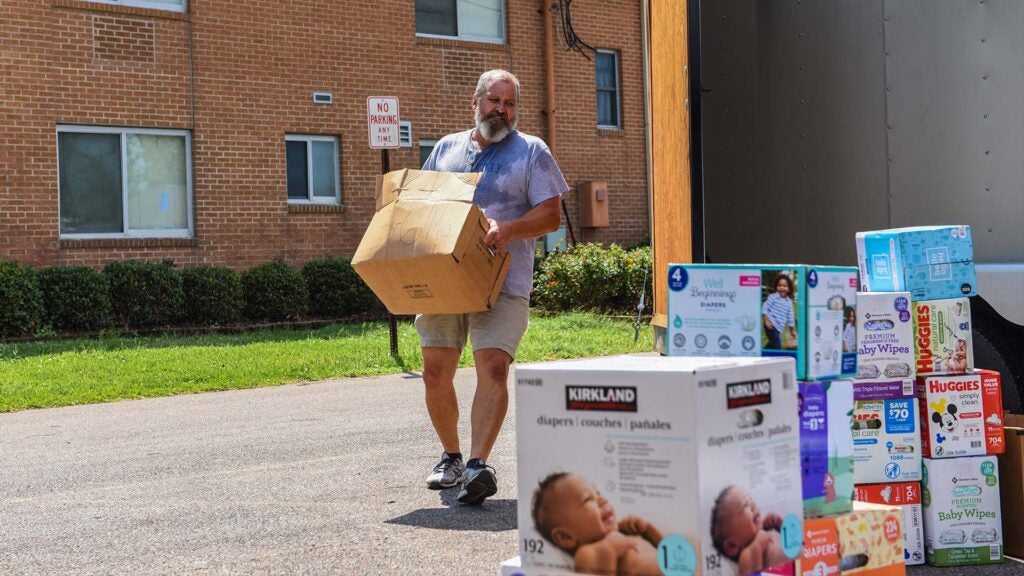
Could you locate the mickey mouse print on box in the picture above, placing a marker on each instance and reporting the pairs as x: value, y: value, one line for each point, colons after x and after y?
x: 961, y: 415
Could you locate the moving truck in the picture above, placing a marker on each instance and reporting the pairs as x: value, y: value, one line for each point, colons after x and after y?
x: 779, y: 129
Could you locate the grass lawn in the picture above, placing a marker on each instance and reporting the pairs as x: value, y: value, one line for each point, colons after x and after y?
x: 84, y: 371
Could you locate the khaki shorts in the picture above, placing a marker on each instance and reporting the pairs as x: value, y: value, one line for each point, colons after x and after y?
x: 501, y: 327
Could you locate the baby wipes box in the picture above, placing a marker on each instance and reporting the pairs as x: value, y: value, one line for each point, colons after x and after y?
x: 866, y: 541
x: 961, y: 415
x: 930, y: 262
x: 961, y: 511
x: 826, y: 446
x: 884, y: 335
x: 943, y: 343
x: 906, y: 495
x: 764, y: 310
x: 674, y: 465
x: 886, y: 436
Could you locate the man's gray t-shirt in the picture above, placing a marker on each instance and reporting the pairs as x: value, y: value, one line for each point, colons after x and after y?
x: 518, y: 174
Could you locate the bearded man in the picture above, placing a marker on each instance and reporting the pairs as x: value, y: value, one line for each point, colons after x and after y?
x: 519, y: 192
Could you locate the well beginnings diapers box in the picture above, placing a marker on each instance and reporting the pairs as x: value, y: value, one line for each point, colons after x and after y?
x: 943, y: 343
x: 961, y: 415
x: 886, y: 436
x: 961, y: 511
x: 884, y: 335
x: 930, y: 262
x: 764, y: 310
x: 826, y: 446
x: 867, y: 541
x: 653, y: 461
x: 906, y: 495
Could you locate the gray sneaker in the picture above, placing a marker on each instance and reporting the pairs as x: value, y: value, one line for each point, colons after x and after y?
x: 446, y: 474
x: 478, y: 482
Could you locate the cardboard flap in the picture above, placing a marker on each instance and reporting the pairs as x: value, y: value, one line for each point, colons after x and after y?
x: 408, y: 184
x: 411, y: 229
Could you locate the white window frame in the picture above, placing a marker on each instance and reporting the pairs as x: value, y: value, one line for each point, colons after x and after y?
x: 618, y: 91
x: 471, y: 37
x: 128, y: 233
x: 145, y: 4
x: 310, y: 199
x: 431, y: 143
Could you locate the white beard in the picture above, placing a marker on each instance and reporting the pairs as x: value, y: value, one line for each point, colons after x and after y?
x: 494, y: 132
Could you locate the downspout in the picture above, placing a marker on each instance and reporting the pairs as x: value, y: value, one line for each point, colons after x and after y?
x: 549, y: 79
x: 648, y: 142
x: 549, y: 72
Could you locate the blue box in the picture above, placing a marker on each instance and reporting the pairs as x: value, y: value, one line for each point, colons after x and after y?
x: 930, y: 262
x: 718, y: 310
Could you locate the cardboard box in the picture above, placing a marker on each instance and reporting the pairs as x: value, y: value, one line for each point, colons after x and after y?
x: 884, y: 335
x: 1011, y: 490
x: 930, y: 262
x: 906, y: 495
x: 826, y: 446
x: 943, y: 343
x: 717, y: 310
x: 867, y: 541
x: 514, y: 567
x: 962, y: 520
x: 961, y: 415
x: 424, y: 251
x: 886, y: 433
x: 675, y: 441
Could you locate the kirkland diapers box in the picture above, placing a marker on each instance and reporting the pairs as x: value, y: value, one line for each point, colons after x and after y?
x: 764, y: 310
x: 961, y: 415
x: 943, y: 343
x: 906, y: 495
x: 659, y: 464
x: 826, y: 446
x: 884, y: 335
x: 867, y: 541
x: 886, y: 435
x: 962, y: 521
x: 930, y: 262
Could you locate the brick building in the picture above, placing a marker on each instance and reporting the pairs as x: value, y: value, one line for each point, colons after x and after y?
x: 156, y: 129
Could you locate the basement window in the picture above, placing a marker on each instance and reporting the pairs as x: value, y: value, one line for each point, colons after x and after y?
x: 313, y: 169
x: 472, y: 20
x: 124, y: 182
x: 173, y: 5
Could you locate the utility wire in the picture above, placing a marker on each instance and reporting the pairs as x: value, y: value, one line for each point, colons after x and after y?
x: 572, y: 40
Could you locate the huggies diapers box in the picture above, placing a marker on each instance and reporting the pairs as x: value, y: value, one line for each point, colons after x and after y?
x: 826, y: 446
x: 961, y: 415
x: 943, y: 342
x: 764, y: 310
x: 673, y: 464
x: 886, y: 436
x: 906, y: 495
x: 930, y: 262
x: 962, y: 524
x: 884, y: 335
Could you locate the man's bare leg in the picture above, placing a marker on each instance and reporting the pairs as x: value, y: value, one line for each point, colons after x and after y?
x: 491, y: 400
x: 439, y: 365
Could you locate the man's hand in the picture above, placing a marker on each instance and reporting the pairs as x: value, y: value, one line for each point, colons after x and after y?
x: 497, y: 237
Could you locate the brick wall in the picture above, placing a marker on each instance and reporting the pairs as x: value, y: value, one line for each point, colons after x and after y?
x: 241, y: 78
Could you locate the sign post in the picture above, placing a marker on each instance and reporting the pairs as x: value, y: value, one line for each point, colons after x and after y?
x: 382, y: 126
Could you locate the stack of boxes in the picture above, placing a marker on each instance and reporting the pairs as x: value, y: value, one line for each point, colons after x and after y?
x: 917, y: 281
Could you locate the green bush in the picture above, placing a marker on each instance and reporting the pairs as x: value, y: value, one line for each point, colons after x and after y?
x: 274, y: 291
x: 213, y: 295
x: 76, y: 298
x: 335, y: 290
x: 21, y: 301
x: 145, y: 294
x: 592, y: 278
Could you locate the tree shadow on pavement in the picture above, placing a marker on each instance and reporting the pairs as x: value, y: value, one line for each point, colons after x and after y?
x: 494, y: 515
